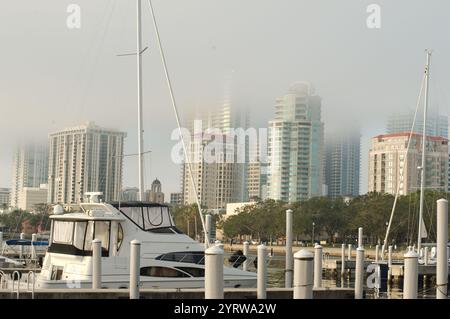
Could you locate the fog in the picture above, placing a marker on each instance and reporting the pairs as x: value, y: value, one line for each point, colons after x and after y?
x: 52, y: 77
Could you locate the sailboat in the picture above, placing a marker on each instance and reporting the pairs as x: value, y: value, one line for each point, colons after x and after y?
x: 169, y: 258
x: 422, y: 232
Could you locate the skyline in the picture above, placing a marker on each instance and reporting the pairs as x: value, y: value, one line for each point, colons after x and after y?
x: 76, y: 80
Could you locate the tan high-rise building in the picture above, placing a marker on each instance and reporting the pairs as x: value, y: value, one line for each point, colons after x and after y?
x: 30, y: 169
x: 390, y: 167
x: 82, y: 159
x: 220, y: 181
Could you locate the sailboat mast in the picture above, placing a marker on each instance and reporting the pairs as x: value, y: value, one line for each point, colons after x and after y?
x: 139, y: 92
x: 423, y: 165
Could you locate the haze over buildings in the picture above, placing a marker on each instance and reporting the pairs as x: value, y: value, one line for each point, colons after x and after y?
x: 296, y: 149
x: 342, y: 162
x: 71, y: 76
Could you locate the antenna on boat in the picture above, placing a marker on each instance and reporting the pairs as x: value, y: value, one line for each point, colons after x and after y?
x: 422, y: 168
x: 177, y: 117
x: 139, y: 92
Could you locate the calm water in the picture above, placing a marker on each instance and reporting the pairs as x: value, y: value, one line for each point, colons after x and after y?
x: 276, y: 278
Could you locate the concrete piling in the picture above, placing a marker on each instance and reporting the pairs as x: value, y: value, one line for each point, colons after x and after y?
x: 96, y: 264
x: 22, y: 236
x: 318, y: 266
x: 349, y: 252
x: 303, y: 275
x: 442, y: 251
x: 360, y: 237
x: 135, y: 265
x: 343, y: 260
x: 425, y: 256
x: 261, y: 292
x: 359, y: 273
x: 33, y: 248
x: 245, y: 252
x: 289, y: 239
x: 214, y: 273
x: 410, y: 278
x: 208, y: 224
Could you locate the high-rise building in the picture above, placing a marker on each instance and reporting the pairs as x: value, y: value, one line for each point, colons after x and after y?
x: 218, y: 181
x: 130, y: 194
x: 31, y: 196
x: 30, y: 169
x: 176, y: 198
x: 4, y: 197
x: 256, y: 169
x: 342, y: 163
x: 391, y: 168
x: 296, y: 148
x: 86, y: 158
x: 155, y: 195
x: 399, y: 122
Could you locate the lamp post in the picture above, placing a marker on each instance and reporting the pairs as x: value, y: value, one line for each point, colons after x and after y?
x: 312, y: 238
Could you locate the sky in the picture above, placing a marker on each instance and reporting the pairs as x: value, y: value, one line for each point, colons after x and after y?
x: 52, y: 77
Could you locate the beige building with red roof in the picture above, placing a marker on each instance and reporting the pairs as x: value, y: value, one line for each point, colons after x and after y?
x: 391, y: 167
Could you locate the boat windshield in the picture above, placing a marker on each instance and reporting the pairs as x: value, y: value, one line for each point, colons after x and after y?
x: 75, y: 237
x: 149, y: 218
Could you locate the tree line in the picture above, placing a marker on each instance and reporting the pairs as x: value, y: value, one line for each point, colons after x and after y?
x: 335, y: 220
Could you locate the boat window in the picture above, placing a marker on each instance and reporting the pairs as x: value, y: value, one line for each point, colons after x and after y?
x: 194, y: 272
x: 63, y: 232
x: 119, y: 236
x: 133, y: 213
x: 89, y: 236
x: 101, y: 232
x: 57, y: 272
x: 162, y: 272
x: 195, y: 257
x: 79, y: 234
x: 156, y: 217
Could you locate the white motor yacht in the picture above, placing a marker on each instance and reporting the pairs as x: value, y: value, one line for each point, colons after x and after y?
x: 169, y: 258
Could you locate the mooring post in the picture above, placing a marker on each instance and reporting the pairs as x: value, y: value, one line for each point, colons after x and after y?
x: 389, y: 263
x: 343, y: 260
x: 425, y: 256
x: 96, y: 264
x: 349, y: 252
x: 359, y: 273
x: 262, y: 272
x: 22, y: 236
x: 33, y: 248
x: 360, y: 237
x: 318, y: 266
x: 289, y: 239
x: 135, y: 265
x: 303, y: 274
x: 208, y: 224
x: 214, y: 273
x: 244, y: 264
x: 410, y: 277
x: 442, y: 251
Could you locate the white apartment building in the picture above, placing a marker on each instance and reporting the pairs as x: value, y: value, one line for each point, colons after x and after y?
x: 296, y: 146
x: 86, y: 158
x: 391, y: 167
